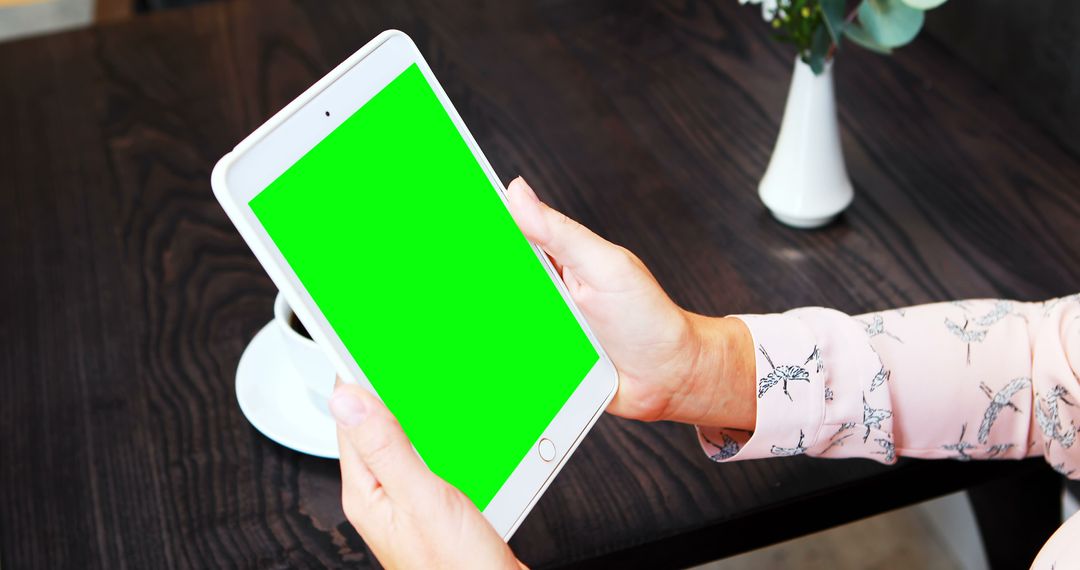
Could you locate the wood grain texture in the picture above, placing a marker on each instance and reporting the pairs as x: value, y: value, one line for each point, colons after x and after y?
x: 128, y: 297
x: 113, y: 10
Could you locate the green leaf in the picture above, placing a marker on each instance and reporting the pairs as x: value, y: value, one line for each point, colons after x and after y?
x: 819, y: 48
x: 924, y: 4
x: 859, y: 36
x: 890, y: 22
x: 832, y: 12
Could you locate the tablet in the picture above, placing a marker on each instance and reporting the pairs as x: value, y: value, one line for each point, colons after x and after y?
x: 375, y: 213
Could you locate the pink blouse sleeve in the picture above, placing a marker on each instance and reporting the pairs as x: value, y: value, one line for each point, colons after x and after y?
x: 980, y: 379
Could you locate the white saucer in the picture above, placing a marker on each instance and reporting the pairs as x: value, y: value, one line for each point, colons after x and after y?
x: 277, y: 403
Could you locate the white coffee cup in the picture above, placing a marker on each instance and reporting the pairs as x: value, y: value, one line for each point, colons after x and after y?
x: 305, y: 357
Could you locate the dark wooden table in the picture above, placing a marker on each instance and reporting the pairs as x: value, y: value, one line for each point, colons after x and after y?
x: 127, y: 297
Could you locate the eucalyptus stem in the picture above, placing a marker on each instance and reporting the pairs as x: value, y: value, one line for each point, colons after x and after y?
x: 847, y: 20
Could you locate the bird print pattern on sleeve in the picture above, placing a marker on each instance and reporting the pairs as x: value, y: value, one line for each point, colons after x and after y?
x: 799, y: 448
x: 986, y: 395
x: 783, y: 374
x: 725, y: 450
x: 996, y: 450
x: 880, y: 378
x: 1060, y: 468
x: 978, y: 319
x: 1000, y: 310
x: 876, y: 327
x: 872, y: 418
x: 998, y: 402
x: 960, y: 447
x: 841, y: 434
x: 819, y: 364
x: 887, y: 449
x: 966, y: 336
x: 970, y: 380
x: 1047, y: 415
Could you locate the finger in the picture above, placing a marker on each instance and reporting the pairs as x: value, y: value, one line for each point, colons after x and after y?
x: 380, y: 445
x: 525, y: 211
x: 356, y: 478
x: 361, y: 496
x: 569, y: 243
x: 573, y: 284
x: 360, y: 492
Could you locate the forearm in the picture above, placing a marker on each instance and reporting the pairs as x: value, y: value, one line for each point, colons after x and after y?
x: 983, y: 379
x: 719, y: 390
x: 976, y: 379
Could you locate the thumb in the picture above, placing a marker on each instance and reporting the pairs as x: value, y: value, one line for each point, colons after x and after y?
x: 569, y: 243
x: 376, y: 440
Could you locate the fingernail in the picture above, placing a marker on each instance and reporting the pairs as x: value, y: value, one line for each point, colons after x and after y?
x: 528, y: 189
x: 347, y: 409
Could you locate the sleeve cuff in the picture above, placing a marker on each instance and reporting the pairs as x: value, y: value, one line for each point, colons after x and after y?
x: 821, y: 389
x: 790, y: 394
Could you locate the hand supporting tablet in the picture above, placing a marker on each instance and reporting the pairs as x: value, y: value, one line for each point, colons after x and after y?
x: 407, y: 515
x: 670, y: 361
x: 688, y: 356
x: 358, y: 199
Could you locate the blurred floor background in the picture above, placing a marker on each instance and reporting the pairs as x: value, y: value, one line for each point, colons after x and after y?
x: 25, y: 18
x: 935, y: 535
x: 901, y: 539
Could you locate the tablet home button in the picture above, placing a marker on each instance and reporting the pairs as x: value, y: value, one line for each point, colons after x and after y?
x: 547, y: 449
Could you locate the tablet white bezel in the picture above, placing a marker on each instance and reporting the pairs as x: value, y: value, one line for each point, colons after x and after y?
x: 272, y: 148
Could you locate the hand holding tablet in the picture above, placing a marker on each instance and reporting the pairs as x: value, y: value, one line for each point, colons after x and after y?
x: 376, y: 214
x: 623, y: 298
x: 359, y: 199
x: 409, y: 517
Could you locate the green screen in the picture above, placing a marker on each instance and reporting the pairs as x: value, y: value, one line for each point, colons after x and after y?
x: 396, y: 232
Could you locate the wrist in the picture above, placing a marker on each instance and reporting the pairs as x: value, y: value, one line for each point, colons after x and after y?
x: 718, y: 390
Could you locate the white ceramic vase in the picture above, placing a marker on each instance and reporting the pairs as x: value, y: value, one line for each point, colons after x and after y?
x: 806, y: 184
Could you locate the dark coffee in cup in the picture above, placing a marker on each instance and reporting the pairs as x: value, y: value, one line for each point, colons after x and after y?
x: 308, y: 362
x: 297, y: 326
